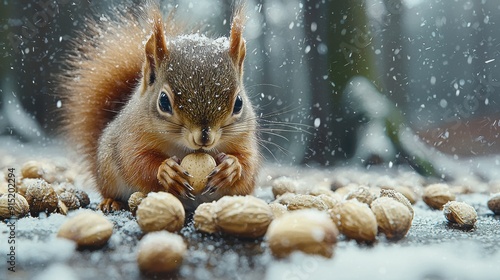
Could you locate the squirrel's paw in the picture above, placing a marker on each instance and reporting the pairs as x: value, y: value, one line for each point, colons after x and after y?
x: 174, y: 178
x: 110, y: 205
x: 225, y: 174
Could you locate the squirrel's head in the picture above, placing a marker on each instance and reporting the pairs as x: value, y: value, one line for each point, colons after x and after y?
x: 194, y: 87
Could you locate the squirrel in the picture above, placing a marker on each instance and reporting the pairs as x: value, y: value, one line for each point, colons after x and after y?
x: 140, y: 93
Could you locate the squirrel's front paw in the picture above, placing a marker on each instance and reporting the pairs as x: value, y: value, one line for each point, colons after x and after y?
x: 175, y: 178
x: 225, y: 174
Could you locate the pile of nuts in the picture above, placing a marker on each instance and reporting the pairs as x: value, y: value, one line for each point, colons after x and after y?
x: 307, y: 218
x: 42, y: 187
x: 359, y: 212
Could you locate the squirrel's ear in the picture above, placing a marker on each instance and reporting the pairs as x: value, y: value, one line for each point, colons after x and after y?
x: 156, y: 51
x: 237, y: 47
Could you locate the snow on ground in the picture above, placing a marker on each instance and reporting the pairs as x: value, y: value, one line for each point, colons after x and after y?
x: 432, y: 249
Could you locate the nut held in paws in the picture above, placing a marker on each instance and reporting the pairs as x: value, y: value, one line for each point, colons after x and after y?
x: 199, y: 165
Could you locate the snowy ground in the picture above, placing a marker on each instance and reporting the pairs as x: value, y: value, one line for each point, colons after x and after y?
x: 432, y: 249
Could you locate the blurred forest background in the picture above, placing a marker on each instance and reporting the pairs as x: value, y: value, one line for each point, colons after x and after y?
x: 362, y: 75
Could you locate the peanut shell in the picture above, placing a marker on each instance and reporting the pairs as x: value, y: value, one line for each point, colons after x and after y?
x: 398, y: 197
x: 309, y: 230
x: 245, y: 216
x: 39, y: 170
x: 204, y: 218
x: 13, y: 205
x: 134, y: 200
x: 357, y: 221
x: 278, y: 209
x: 41, y: 197
x: 393, y: 217
x: 301, y: 201
x: 87, y: 229
x: 437, y: 195
x: 160, y: 252
x: 362, y: 194
x: 70, y: 200
x: 284, y: 185
x: 460, y: 213
x: 160, y: 211
x: 494, y: 203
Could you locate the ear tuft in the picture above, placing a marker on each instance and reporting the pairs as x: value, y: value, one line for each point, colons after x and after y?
x: 156, y: 49
x: 237, y: 48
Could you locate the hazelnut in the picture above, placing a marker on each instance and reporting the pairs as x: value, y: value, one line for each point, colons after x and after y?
x: 284, y: 185
x: 245, y: 216
x: 398, y: 197
x: 41, y: 197
x: 160, y: 211
x: 357, y: 221
x: 70, y: 200
x: 309, y: 230
x: 437, y: 195
x: 393, y: 218
x: 460, y: 213
x: 204, y: 218
x: 199, y: 165
x: 134, y: 200
x: 494, y: 203
x: 87, y: 229
x: 13, y: 205
x: 160, y: 252
x: 301, y: 201
x: 362, y: 194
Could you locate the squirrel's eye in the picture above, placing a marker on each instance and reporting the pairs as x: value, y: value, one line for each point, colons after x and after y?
x: 238, y: 105
x: 164, y: 103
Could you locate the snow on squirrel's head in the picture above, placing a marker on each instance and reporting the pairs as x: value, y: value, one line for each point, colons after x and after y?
x: 195, y: 85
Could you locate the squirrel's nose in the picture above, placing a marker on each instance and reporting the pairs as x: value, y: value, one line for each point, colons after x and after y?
x: 204, y: 137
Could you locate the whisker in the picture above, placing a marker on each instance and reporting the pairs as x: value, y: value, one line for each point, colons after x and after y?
x: 268, y: 150
x: 280, y: 148
x: 283, y: 123
x: 277, y: 135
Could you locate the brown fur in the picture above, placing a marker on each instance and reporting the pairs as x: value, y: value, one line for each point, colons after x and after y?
x: 111, y: 89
